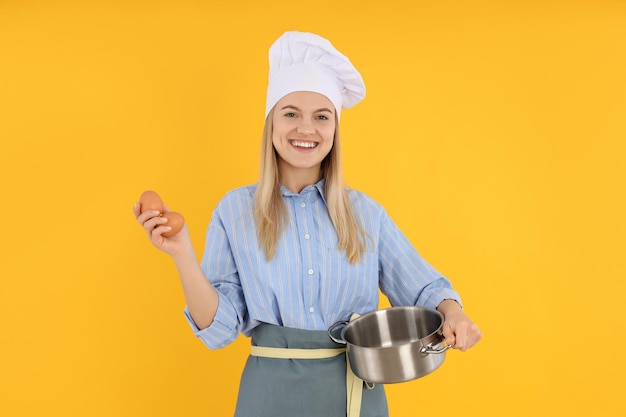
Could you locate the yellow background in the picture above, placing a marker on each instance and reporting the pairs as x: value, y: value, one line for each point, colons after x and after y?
x: 493, y: 132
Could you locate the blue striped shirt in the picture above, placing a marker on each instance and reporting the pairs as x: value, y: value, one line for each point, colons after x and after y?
x: 308, y: 284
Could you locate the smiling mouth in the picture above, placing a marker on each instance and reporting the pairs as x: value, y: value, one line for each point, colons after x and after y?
x: 303, y: 144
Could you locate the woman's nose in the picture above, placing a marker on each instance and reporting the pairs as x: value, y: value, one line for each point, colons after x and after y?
x: 305, y: 128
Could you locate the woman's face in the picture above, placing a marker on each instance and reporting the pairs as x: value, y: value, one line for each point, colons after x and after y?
x: 303, y: 133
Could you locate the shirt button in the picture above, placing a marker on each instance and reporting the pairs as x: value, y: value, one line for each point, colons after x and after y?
x: 312, y: 310
x: 310, y: 272
x: 303, y: 205
x: 307, y: 236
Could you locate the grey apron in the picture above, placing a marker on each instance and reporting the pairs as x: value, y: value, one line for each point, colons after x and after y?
x: 274, y: 387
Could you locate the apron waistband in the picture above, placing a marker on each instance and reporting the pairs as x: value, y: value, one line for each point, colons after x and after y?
x: 291, y: 353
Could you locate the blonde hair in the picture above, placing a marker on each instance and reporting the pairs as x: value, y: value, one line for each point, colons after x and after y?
x: 270, y: 211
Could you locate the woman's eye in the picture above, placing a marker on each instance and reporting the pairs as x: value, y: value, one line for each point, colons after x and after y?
x: 322, y: 117
x: 290, y: 114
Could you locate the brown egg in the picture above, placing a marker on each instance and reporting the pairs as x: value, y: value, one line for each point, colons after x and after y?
x: 175, y: 221
x: 150, y: 200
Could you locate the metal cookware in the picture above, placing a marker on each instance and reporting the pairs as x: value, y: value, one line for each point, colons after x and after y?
x: 392, y: 345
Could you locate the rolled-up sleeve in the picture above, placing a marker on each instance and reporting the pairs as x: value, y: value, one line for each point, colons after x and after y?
x: 406, y: 278
x: 224, y: 328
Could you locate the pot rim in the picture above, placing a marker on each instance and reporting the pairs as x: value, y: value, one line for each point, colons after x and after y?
x: 423, y: 341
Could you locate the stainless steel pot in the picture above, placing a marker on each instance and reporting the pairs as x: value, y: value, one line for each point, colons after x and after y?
x: 392, y: 345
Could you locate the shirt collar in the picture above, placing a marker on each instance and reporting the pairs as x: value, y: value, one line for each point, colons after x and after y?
x: 316, y: 189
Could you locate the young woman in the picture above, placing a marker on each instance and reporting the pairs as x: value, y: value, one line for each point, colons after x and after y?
x: 288, y: 257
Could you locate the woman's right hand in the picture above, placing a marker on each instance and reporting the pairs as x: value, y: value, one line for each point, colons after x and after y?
x: 154, y: 225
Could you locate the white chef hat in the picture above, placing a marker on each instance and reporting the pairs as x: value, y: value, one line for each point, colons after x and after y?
x: 301, y: 61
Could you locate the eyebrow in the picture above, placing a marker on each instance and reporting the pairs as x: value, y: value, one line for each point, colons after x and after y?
x: 289, y: 106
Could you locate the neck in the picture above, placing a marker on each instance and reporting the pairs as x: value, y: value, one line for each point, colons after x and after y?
x: 297, y: 179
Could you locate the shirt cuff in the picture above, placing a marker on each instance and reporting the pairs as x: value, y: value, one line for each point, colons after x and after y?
x: 224, y: 329
x: 440, y: 295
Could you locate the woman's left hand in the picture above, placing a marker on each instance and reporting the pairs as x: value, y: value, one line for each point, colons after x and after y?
x: 458, y: 329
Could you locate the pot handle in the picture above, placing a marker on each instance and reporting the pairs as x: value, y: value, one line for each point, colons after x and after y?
x: 427, y: 350
x: 334, y: 327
